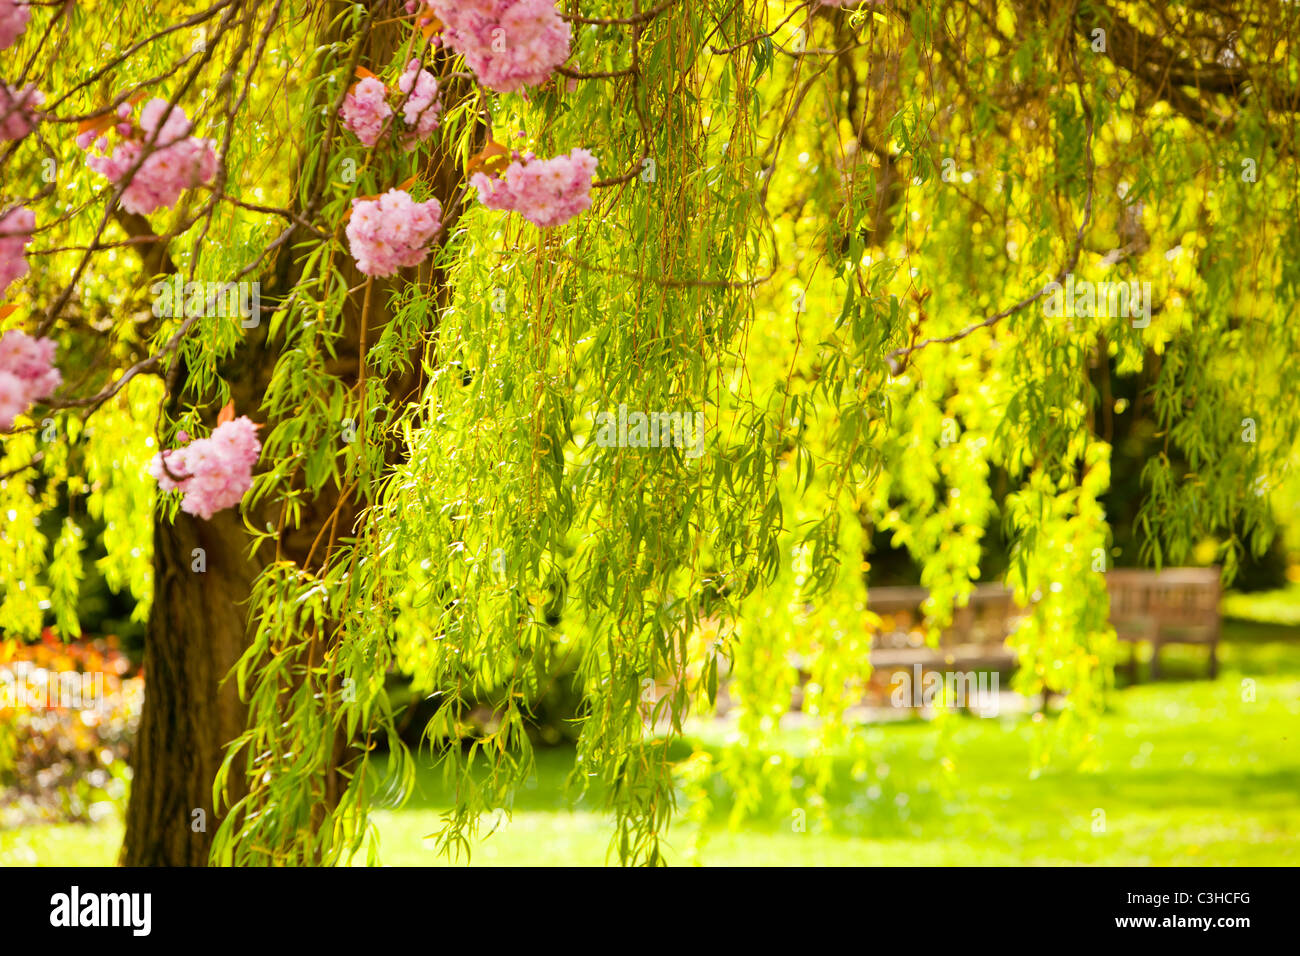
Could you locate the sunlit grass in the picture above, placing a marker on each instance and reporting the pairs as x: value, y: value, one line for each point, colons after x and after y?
x: 1281, y: 606
x: 1187, y: 771
x: 61, y: 844
x: 1186, y: 774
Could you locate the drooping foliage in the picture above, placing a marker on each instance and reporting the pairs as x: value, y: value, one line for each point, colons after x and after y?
x: 823, y: 237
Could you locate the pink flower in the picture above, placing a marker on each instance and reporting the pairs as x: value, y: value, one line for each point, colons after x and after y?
x: 13, y: 21
x: 213, y: 472
x: 173, y: 130
x: 391, y: 232
x: 16, y: 227
x: 365, y: 111
x: 422, y: 108
x: 27, y: 373
x: 178, y: 161
x: 509, y: 44
x: 546, y: 192
x: 13, y: 399
x: 18, y: 110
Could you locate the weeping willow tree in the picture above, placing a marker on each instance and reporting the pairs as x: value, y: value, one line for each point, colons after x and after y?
x: 840, y: 249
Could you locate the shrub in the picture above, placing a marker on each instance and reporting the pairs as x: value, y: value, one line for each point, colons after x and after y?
x: 67, y: 715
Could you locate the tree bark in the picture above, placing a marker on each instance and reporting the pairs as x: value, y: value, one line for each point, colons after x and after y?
x: 196, y: 632
x: 199, y: 627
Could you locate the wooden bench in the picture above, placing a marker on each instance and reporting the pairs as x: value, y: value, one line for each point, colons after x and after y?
x: 1173, y: 606
x: 976, y: 639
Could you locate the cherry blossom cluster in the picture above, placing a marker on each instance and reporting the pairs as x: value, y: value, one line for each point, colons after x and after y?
x: 212, y: 472
x: 366, y: 113
x: 178, y: 162
x: 13, y: 21
x: 27, y: 373
x: 546, y: 192
x: 422, y: 108
x: 16, y: 227
x: 392, y: 231
x: 18, y: 109
x: 509, y: 44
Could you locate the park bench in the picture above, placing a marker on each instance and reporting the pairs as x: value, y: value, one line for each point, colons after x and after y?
x: 976, y: 639
x: 1174, y: 606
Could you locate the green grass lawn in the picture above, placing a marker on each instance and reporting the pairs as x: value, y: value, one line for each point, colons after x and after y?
x: 1186, y: 772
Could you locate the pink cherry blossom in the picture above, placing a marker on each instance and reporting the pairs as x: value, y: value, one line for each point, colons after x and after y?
x: 27, y: 373
x: 422, y: 108
x: 13, y: 21
x: 365, y: 111
x: 213, y: 472
x: 391, y: 232
x: 509, y: 44
x: 18, y: 110
x: 178, y: 161
x: 13, y: 399
x: 546, y: 192
x: 367, y: 114
x: 16, y: 227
